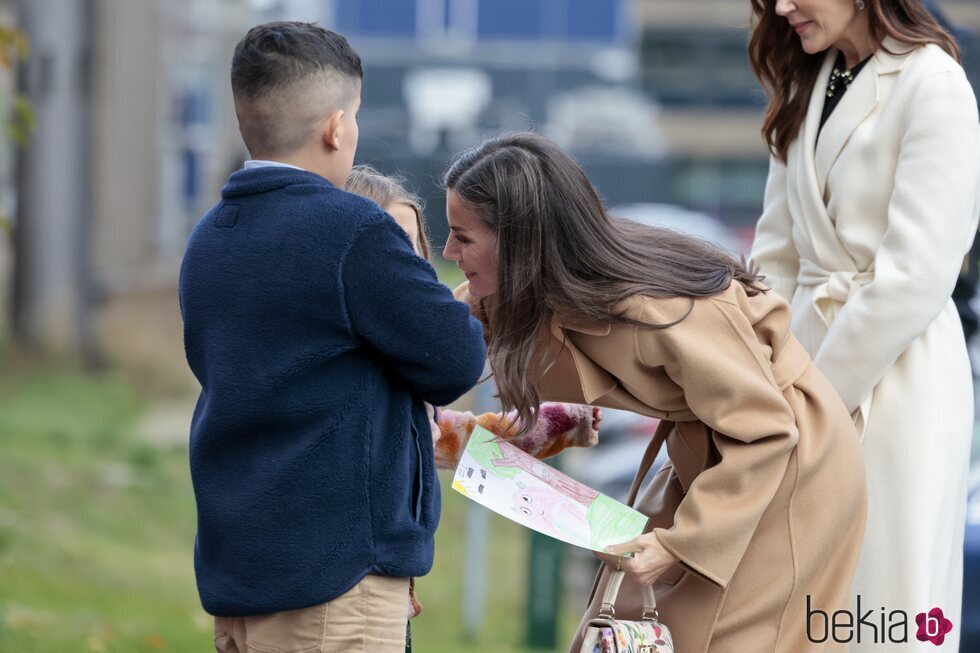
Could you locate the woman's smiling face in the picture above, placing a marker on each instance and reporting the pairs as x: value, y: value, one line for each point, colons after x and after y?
x: 472, y: 246
x: 820, y: 24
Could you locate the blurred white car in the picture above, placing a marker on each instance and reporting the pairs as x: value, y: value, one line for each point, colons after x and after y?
x: 683, y: 220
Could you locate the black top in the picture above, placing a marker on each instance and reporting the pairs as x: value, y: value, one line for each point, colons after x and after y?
x: 840, y: 81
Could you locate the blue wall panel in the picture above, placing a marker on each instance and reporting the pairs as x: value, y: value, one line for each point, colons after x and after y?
x: 561, y: 20
x: 510, y: 19
x: 594, y: 20
x: 377, y: 17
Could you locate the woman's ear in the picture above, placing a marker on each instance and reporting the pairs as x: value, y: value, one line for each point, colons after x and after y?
x: 330, y: 130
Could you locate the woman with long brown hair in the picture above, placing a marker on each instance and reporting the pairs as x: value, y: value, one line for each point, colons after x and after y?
x: 759, y: 514
x: 870, y: 207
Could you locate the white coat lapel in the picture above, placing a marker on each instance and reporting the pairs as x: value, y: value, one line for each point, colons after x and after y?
x: 806, y: 199
x: 859, y: 102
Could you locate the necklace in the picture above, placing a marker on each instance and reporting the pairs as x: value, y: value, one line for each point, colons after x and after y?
x: 839, y: 77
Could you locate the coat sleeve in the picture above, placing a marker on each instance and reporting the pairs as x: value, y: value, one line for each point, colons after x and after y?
x: 773, y: 249
x: 714, y: 356
x: 932, y: 219
x: 397, y: 306
x: 559, y: 427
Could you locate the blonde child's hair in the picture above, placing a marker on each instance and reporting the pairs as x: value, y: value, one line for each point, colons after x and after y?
x: 385, y: 191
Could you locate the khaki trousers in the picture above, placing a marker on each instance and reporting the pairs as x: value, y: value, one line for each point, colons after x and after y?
x: 370, y: 618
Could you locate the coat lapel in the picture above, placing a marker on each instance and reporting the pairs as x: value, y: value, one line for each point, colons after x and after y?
x: 859, y: 102
x: 808, y: 175
x: 807, y: 200
x: 593, y: 380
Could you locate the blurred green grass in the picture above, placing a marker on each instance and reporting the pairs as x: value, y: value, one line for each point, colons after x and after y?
x: 97, y: 529
x: 448, y: 273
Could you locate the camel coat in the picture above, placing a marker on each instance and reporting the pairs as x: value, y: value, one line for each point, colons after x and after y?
x: 763, y: 500
x: 864, y: 232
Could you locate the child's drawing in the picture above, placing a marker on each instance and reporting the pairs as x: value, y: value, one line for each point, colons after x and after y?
x: 552, y: 513
x: 526, y: 490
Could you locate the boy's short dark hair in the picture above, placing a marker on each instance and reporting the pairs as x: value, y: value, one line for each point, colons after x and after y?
x: 285, y: 76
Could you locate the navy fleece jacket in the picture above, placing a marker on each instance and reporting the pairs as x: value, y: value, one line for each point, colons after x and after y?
x: 316, y: 334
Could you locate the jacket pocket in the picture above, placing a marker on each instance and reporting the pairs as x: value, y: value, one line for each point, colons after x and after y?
x: 292, y: 631
x: 418, y: 483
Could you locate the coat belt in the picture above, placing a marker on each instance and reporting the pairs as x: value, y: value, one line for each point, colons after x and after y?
x: 831, y: 289
x: 791, y: 364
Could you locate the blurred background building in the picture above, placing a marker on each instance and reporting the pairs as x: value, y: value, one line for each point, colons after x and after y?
x: 655, y: 97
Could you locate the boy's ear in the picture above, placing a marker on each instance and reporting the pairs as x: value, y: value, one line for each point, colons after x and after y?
x: 330, y: 130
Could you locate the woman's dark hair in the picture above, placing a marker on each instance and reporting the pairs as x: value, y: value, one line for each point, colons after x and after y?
x: 788, y: 73
x: 560, y: 253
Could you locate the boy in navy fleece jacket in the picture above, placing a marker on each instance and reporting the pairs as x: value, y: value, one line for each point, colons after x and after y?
x: 317, y: 335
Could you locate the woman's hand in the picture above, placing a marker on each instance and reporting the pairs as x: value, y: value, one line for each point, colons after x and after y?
x: 650, y: 558
x: 596, y: 417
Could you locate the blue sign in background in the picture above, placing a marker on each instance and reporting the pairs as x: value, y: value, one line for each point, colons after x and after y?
x: 537, y: 20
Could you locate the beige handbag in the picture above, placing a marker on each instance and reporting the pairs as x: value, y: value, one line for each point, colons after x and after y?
x: 606, y: 634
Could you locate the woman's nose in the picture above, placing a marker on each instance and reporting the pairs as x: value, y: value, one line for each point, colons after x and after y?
x: 449, y: 251
x: 785, y: 7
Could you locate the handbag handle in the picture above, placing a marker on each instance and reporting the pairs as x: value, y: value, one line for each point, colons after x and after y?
x: 608, y: 608
x: 653, y: 449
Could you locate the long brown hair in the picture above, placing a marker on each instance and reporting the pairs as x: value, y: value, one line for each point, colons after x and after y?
x: 386, y: 191
x: 788, y: 73
x: 560, y: 253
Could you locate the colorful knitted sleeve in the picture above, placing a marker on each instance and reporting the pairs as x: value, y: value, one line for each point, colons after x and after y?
x: 559, y: 427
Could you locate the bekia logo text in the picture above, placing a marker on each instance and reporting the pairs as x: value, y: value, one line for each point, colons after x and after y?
x: 874, y: 626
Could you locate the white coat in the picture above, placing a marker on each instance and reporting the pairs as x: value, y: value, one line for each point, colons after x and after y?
x: 864, y: 232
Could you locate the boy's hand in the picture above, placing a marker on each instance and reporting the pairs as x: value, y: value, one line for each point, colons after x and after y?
x: 436, y: 431
x: 589, y: 427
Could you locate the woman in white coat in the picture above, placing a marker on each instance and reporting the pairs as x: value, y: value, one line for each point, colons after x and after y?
x: 871, y: 204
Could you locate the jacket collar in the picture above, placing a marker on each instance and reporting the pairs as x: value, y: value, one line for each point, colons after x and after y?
x: 584, y: 325
x: 251, y: 181
x: 892, y: 56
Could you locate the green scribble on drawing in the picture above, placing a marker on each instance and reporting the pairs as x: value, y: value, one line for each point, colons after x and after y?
x: 485, y: 449
x: 612, y: 522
